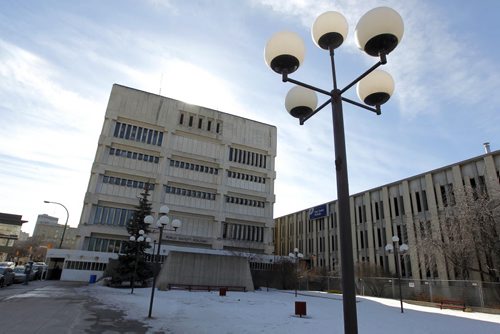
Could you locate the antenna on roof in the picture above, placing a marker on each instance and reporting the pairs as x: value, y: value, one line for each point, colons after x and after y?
x: 487, y: 148
x: 161, y: 82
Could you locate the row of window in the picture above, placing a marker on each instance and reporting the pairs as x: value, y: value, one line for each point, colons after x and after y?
x: 247, y: 157
x: 110, y: 216
x: 245, y: 201
x: 199, y: 122
x: 246, y: 177
x: 189, y: 193
x: 133, y: 155
x: 127, y: 183
x: 138, y: 133
x: 195, y: 167
x: 242, y: 232
x: 94, y: 244
x: 84, y: 265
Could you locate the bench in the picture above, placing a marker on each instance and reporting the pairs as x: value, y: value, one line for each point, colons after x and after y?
x: 453, y: 304
x: 209, y: 288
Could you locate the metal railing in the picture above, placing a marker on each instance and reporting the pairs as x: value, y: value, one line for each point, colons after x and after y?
x: 472, y: 293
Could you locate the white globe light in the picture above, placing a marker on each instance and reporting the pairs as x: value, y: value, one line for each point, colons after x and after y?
x: 164, y: 220
x: 389, y: 248
x: 149, y: 220
x: 395, y: 238
x: 379, y: 31
x: 291, y: 255
x: 176, y: 223
x: 329, y: 30
x: 376, y: 88
x: 141, y: 232
x: 300, y: 101
x: 284, y: 52
x: 140, y: 239
x: 132, y: 238
x: 164, y: 209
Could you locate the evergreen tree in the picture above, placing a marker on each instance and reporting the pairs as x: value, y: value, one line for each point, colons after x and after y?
x: 133, y: 250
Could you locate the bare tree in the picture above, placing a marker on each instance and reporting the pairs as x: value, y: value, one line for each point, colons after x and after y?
x: 371, y: 276
x: 468, y: 235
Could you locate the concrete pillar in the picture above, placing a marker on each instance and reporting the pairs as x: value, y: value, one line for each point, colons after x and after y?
x: 387, y: 223
x: 436, y: 230
x: 369, y: 227
x: 408, y: 221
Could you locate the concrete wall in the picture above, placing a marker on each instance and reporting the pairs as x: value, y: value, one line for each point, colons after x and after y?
x: 205, y: 269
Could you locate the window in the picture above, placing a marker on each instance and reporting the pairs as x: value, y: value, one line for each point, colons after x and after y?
x: 200, y: 123
x: 190, y: 121
x: 181, y: 119
x: 209, y: 125
x: 217, y: 128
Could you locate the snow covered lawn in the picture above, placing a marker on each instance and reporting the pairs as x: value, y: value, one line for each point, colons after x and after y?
x: 184, y: 312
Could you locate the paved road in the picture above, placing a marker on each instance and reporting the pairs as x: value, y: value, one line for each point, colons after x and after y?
x: 58, y: 307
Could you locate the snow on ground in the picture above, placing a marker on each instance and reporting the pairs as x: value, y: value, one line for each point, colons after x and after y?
x: 184, y: 312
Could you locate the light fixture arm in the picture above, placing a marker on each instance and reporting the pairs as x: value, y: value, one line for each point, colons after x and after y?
x: 302, y: 120
x: 364, y: 106
x: 382, y: 61
x: 285, y: 78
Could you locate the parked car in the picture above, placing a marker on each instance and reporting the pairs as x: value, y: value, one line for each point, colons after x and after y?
x: 19, y: 275
x: 6, y: 276
x: 9, y: 264
x: 39, y: 269
x: 23, y: 269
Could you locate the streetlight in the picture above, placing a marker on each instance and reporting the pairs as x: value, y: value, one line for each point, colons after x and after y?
x: 296, y: 255
x: 65, y: 224
x: 162, y: 223
x: 378, y: 32
x: 398, y: 250
x: 137, y: 240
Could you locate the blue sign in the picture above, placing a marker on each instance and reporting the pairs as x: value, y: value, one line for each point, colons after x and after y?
x: 319, y: 211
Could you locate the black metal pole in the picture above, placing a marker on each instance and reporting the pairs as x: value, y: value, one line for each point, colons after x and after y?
x: 398, y: 268
x: 156, y: 272
x: 346, y: 253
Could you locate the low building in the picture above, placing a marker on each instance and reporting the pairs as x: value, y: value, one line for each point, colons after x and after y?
x: 399, y: 208
x: 10, y: 229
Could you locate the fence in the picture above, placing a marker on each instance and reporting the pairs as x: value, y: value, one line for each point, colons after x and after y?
x: 472, y: 293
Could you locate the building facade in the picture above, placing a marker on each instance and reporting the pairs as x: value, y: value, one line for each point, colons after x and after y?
x: 10, y: 229
x: 214, y: 170
x: 377, y: 214
x: 48, y: 233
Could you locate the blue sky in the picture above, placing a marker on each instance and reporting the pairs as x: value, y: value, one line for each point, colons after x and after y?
x: 59, y: 59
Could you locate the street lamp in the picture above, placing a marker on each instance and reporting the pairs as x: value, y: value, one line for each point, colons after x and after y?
x: 296, y: 255
x: 65, y: 224
x: 398, y: 250
x: 137, y: 240
x: 378, y: 32
x: 162, y: 223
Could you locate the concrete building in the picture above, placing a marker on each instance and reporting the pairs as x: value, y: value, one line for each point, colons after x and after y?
x: 378, y: 214
x: 214, y: 170
x: 10, y: 229
x: 48, y: 233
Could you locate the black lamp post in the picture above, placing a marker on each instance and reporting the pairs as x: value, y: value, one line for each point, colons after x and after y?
x: 398, y: 250
x: 162, y: 223
x: 138, y: 240
x: 296, y: 256
x: 65, y: 224
x: 378, y: 32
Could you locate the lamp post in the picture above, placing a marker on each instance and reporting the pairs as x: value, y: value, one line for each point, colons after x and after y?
x: 378, y: 32
x: 296, y: 256
x: 398, y: 250
x: 137, y: 240
x: 65, y: 224
x: 162, y: 223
